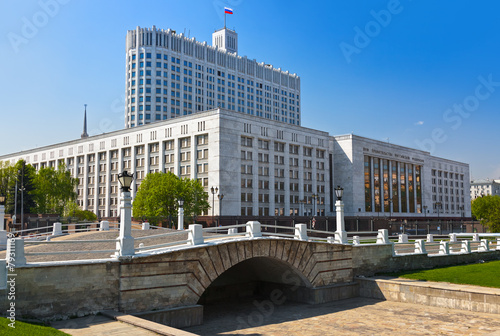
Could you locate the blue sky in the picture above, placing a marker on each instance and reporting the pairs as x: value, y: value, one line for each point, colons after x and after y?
x: 423, y: 74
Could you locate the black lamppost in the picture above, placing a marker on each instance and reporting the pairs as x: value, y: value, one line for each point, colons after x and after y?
x: 220, y: 197
x: 214, y: 191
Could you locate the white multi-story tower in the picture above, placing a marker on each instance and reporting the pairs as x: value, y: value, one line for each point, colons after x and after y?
x: 169, y: 75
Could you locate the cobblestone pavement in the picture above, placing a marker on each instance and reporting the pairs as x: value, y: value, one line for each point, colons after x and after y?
x: 359, y: 316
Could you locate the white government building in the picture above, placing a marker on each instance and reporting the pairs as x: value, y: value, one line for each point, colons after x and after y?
x: 263, y: 168
x: 169, y: 75
x: 240, y: 131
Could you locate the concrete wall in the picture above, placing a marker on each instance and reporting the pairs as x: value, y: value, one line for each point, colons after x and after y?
x: 176, y: 317
x: 57, y: 292
x: 472, y: 298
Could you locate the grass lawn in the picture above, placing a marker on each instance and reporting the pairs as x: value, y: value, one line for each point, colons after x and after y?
x: 486, y: 274
x: 24, y: 329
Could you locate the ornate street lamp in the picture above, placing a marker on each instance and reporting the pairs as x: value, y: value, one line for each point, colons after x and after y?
x: 339, y: 192
x: 125, y: 180
x: 125, y: 241
x: 340, y: 234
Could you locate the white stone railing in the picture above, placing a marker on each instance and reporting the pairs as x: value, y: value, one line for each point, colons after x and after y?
x: 253, y: 229
x: 453, y: 245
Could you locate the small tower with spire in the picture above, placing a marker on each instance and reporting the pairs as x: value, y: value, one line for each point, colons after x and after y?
x: 85, y: 134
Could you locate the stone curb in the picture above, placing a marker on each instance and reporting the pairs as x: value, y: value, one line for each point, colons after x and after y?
x: 429, y: 293
x: 145, y: 324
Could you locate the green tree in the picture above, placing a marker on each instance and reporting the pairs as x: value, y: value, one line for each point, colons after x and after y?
x: 24, y: 175
x: 6, y: 174
x: 487, y: 210
x: 158, y: 195
x: 195, y: 197
x: 54, y: 189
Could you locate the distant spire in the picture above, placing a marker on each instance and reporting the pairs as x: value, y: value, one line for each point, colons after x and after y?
x: 84, y: 134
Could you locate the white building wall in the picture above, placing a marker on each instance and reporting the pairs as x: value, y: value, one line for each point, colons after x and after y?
x: 97, y: 160
x: 349, y: 153
x: 190, y: 76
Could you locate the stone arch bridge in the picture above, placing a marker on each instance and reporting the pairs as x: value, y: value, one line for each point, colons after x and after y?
x: 183, y: 278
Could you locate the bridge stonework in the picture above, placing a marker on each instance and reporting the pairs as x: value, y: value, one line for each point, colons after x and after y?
x: 180, y: 278
x: 317, y: 272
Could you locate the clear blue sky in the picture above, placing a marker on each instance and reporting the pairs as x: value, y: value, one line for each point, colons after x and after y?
x: 380, y: 69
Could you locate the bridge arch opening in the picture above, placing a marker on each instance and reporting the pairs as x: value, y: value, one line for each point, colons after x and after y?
x: 258, y: 277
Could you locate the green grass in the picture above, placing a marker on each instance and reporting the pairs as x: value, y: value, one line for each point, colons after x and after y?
x: 485, y: 274
x: 24, y: 329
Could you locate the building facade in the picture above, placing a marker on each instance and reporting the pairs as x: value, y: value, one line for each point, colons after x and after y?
x: 170, y: 75
x: 263, y: 168
x: 260, y: 167
x: 484, y: 187
x: 383, y: 179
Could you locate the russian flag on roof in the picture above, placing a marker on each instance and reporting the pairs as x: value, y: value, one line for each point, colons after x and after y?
x: 228, y: 10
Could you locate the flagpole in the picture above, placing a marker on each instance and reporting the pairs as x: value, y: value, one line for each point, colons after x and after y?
x: 224, y: 19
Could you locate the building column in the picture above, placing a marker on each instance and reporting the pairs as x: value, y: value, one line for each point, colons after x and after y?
x: 97, y: 183
x: 389, y: 181
x: 272, y: 191
x: 407, y: 189
x: 372, y: 184
x: 162, y: 156
x: 286, y: 155
x: 133, y: 168
x: 415, y: 188
x: 147, y: 155
x: 85, y: 182
x: 107, y: 176
x: 302, y: 195
x: 398, y: 176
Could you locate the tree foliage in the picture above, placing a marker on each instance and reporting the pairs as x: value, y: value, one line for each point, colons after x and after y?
x: 46, y: 191
x: 54, y: 189
x: 24, y: 174
x: 158, y: 196
x: 7, y: 173
x: 487, y: 210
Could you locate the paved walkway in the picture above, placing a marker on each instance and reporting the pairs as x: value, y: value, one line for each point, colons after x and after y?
x: 359, y: 316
